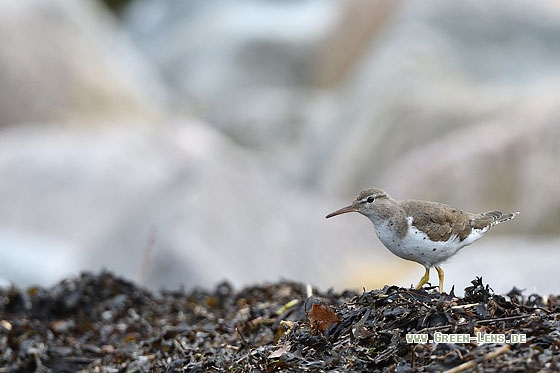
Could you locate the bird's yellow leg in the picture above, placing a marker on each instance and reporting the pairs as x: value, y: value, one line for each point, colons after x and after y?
x: 441, y: 276
x: 424, y: 279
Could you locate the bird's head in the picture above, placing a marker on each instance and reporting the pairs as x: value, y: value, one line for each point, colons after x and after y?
x: 370, y: 202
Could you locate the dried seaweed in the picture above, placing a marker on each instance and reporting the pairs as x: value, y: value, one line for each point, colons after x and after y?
x: 104, y: 323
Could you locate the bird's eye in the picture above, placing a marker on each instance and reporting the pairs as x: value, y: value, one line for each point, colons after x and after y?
x: 370, y: 199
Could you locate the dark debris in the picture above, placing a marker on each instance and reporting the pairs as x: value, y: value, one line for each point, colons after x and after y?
x: 106, y: 324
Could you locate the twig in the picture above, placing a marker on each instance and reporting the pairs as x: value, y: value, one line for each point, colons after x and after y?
x: 309, y: 290
x: 243, y: 340
x: 534, y: 308
x: 434, y: 328
x: 471, y: 364
x: 141, y: 273
x: 502, y: 319
x: 463, y: 306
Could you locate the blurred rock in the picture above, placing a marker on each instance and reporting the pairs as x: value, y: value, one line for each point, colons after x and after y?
x: 59, y: 63
x: 178, y: 205
x: 235, y: 65
x: 252, y: 68
x: 454, y: 102
x: 450, y: 105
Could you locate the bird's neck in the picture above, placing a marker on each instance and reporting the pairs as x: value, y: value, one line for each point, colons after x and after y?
x: 390, y: 214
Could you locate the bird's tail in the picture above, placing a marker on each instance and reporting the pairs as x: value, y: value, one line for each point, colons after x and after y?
x: 496, y: 217
x: 489, y: 219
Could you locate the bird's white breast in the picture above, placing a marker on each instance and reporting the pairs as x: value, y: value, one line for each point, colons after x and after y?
x: 417, y: 246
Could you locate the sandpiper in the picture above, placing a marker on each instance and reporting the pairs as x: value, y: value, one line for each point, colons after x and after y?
x: 421, y: 231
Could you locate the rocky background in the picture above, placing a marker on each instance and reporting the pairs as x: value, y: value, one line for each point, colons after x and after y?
x: 187, y: 142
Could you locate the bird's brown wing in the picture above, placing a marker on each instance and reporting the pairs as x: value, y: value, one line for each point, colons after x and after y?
x: 439, y: 221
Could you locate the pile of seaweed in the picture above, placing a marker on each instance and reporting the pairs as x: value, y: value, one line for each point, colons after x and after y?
x: 99, y: 322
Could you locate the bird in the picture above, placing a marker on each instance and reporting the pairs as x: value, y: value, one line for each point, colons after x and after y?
x: 425, y: 232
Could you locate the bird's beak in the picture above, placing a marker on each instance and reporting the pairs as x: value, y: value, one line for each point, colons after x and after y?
x: 343, y: 210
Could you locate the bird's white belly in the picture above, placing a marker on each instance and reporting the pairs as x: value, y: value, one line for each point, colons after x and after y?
x: 417, y: 246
